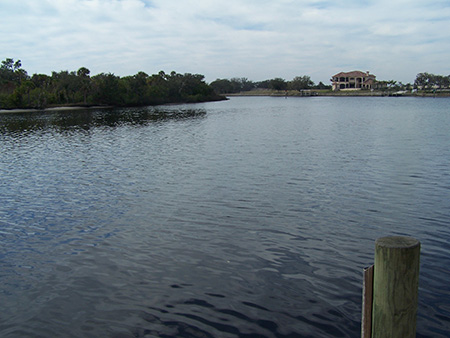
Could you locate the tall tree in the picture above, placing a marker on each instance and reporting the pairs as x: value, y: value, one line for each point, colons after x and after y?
x: 85, y: 82
x: 278, y: 84
x: 11, y: 71
x: 301, y: 82
x: 107, y: 89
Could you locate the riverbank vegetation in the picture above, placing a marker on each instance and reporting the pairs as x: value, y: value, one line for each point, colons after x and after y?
x: 64, y: 88
x: 237, y: 85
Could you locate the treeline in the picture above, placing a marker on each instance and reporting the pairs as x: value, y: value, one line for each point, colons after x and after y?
x: 236, y: 85
x: 431, y: 81
x: 423, y: 82
x: 19, y: 90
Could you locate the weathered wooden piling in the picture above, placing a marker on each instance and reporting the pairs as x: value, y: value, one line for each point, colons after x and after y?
x: 367, y: 301
x: 395, y: 287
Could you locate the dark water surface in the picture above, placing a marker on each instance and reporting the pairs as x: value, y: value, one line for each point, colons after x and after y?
x: 252, y: 217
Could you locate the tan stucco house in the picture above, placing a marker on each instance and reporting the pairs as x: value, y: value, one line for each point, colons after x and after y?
x: 355, y: 80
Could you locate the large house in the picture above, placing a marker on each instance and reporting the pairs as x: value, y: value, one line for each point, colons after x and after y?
x: 355, y: 80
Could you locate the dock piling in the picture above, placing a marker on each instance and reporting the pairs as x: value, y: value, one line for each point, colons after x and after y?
x: 395, y: 287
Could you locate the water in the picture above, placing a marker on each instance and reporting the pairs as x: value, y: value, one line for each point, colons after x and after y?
x: 252, y: 217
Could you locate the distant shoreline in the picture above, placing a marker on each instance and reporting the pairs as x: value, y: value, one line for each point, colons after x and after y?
x: 315, y: 92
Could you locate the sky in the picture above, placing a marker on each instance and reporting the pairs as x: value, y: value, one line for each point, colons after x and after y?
x: 254, y: 39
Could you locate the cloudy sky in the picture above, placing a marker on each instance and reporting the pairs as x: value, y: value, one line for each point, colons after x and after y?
x: 256, y: 39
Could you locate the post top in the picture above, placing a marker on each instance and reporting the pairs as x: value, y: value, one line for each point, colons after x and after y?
x: 398, y: 242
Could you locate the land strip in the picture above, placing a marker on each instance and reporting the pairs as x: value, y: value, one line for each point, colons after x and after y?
x: 319, y: 92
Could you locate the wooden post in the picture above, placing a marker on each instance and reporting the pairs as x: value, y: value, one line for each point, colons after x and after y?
x: 367, y: 301
x: 395, y: 287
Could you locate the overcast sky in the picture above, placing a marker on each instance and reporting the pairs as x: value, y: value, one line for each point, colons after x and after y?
x: 256, y: 39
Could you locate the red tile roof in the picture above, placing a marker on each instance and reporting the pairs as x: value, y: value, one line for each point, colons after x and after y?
x: 355, y: 73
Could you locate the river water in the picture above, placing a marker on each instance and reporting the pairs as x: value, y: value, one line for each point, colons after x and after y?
x: 252, y: 217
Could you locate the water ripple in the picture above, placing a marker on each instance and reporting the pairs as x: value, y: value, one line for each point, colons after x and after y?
x: 250, y: 217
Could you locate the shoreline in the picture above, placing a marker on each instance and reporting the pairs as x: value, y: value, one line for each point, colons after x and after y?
x: 274, y: 93
x: 87, y: 107
x: 313, y: 93
x: 58, y: 108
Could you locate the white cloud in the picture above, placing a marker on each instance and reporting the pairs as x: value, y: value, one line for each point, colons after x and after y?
x: 257, y: 39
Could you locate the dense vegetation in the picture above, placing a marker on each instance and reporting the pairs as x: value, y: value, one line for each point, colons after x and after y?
x: 19, y: 90
x: 424, y: 82
x: 236, y: 85
x: 431, y: 81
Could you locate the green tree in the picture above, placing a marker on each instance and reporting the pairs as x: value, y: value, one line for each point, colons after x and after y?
x: 107, y: 89
x: 157, y: 88
x: 8, y: 65
x: 266, y: 84
x: 65, y: 85
x: 17, y: 89
x: 321, y: 85
x: 12, y: 72
x: 84, y: 82
x: 278, y: 84
x: 40, y: 94
x: 300, y: 83
x: 241, y: 84
x: 222, y: 86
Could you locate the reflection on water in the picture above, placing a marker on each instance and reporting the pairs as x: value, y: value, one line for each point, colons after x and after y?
x: 86, y: 119
x: 251, y: 217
